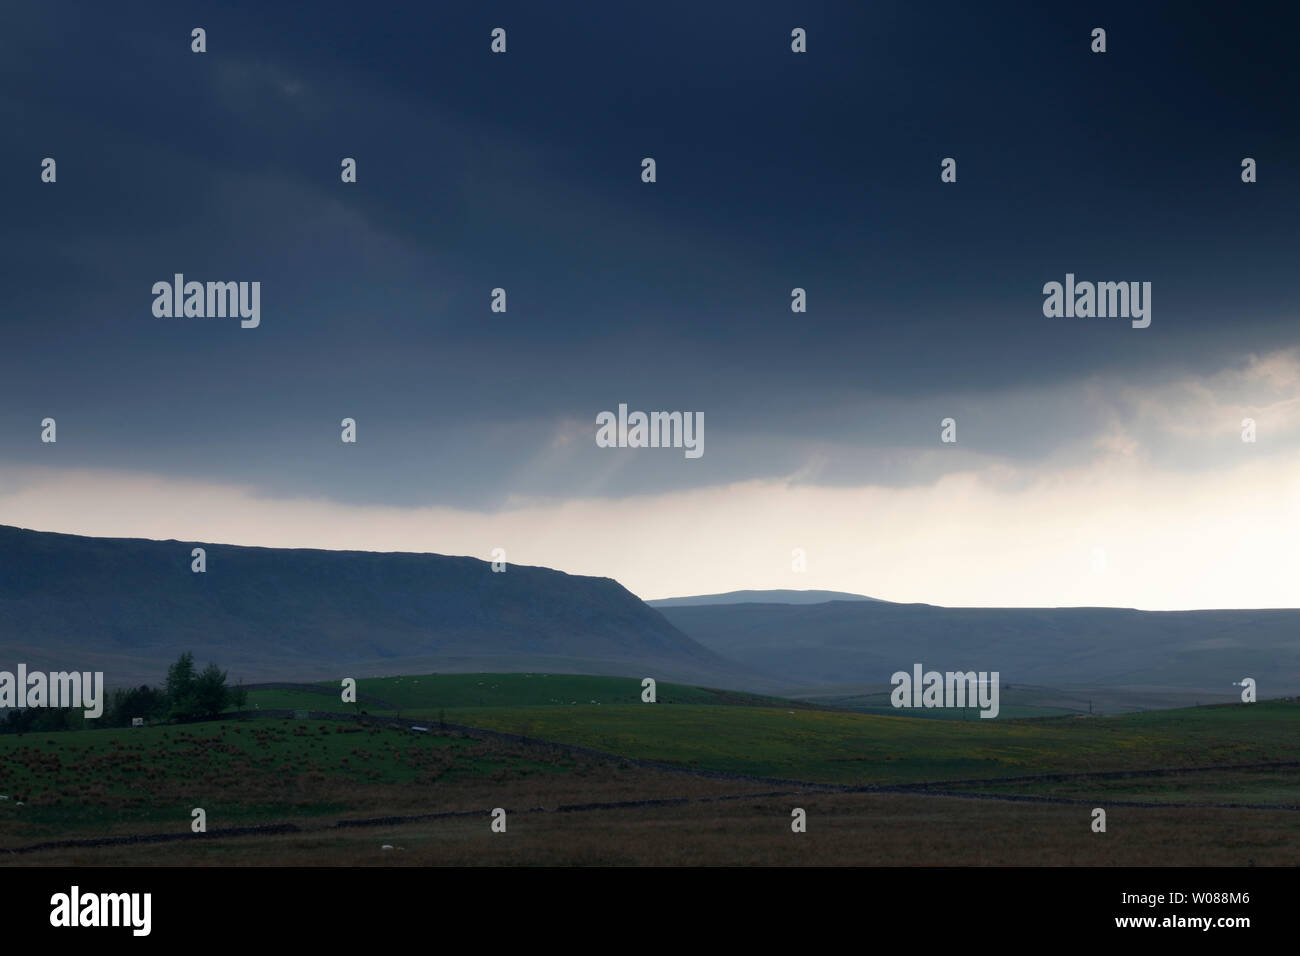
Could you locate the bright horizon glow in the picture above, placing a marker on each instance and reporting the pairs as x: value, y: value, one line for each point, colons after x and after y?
x: 1160, y: 507
x: 997, y: 537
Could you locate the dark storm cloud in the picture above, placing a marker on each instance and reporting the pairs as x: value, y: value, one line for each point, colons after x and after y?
x: 522, y: 171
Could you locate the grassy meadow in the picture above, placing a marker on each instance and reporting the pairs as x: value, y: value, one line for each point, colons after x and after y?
x: 314, y: 773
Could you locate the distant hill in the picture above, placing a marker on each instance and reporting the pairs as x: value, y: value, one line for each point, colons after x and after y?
x: 130, y: 606
x: 844, y: 643
x: 760, y: 597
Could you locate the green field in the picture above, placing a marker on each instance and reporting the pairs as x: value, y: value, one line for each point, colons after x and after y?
x: 834, y: 747
x: 315, y: 772
x: 428, y: 692
x: 694, y: 728
x: 1014, y: 702
x: 88, y: 783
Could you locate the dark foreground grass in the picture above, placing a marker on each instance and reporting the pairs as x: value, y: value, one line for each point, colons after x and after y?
x: 148, y: 780
x: 1272, y: 786
x: 843, y: 830
x: 313, y: 773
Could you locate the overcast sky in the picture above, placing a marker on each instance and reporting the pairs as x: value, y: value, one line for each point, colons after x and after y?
x: 1095, y: 463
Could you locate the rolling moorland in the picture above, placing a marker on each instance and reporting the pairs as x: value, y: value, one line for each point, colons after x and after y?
x: 588, y: 773
x: 1201, y: 653
x: 762, y: 707
x: 128, y: 607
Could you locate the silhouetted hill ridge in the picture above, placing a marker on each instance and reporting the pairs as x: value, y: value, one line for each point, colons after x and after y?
x: 133, y: 605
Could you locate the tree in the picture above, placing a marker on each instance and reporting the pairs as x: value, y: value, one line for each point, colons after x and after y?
x: 201, y: 696
x: 182, y: 699
x: 210, y: 692
x: 143, y: 701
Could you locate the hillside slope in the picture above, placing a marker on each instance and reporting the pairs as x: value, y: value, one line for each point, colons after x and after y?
x: 865, y: 642
x: 129, y: 606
